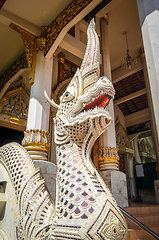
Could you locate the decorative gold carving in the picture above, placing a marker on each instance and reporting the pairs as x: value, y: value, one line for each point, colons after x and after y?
x: 56, y: 26
x: 30, y: 50
x: 41, y: 41
x: 142, y: 53
x: 61, y: 58
x: 15, y: 104
x: 66, y: 69
x: 108, y: 155
x: 20, y: 63
x: 36, y: 140
x: 69, y: 69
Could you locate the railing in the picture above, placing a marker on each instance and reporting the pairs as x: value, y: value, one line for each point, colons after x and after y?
x: 138, y: 223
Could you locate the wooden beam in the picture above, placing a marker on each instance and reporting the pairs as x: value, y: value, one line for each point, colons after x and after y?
x: 137, y: 117
x: 7, y: 18
x: 107, y: 8
x: 130, y: 96
x: 73, y: 46
x: 2, y: 2
x: 83, y: 26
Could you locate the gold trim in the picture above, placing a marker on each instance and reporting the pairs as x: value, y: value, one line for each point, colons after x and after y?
x: 57, y: 25
x: 5, y: 123
x: 30, y: 49
x: 36, y: 148
x: 17, y: 121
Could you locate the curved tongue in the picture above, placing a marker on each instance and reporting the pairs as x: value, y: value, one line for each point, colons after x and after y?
x: 100, y: 102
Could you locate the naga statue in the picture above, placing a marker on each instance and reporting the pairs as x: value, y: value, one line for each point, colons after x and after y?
x: 84, y: 207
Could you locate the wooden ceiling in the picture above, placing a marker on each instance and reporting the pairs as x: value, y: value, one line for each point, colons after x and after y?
x: 128, y: 86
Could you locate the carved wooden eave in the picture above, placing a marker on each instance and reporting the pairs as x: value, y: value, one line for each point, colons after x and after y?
x: 14, y: 109
x: 58, y: 24
x: 19, y: 64
x: 50, y: 33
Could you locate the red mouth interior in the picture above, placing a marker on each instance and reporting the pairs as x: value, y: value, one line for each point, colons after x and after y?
x: 101, y: 101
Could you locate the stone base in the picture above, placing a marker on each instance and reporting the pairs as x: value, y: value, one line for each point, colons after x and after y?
x: 48, y: 171
x: 116, y: 182
x: 156, y: 185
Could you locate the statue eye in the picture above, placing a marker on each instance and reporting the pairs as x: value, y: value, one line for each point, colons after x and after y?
x: 67, y: 97
x: 67, y: 94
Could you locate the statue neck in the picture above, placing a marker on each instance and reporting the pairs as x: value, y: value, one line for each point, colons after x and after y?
x: 76, y: 186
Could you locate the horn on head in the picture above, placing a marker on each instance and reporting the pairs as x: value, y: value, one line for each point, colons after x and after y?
x: 51, y: 101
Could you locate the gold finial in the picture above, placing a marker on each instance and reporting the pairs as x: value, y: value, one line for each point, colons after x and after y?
x: 142, y: 53
x: 41, y: 41
x: 106, y: 17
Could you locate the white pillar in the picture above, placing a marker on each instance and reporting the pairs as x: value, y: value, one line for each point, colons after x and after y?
x: 38, y: 117
x: 149, y: 21
x: 149, y: 98
x: 108, y: 138
x: 36, y: 139
x: 109, y: 162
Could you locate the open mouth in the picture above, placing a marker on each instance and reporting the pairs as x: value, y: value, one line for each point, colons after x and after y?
x: 101, y: 102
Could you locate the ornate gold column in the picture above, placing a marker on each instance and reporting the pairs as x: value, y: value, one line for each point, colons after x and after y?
x: 37, y: 143
x: 108, y: 157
